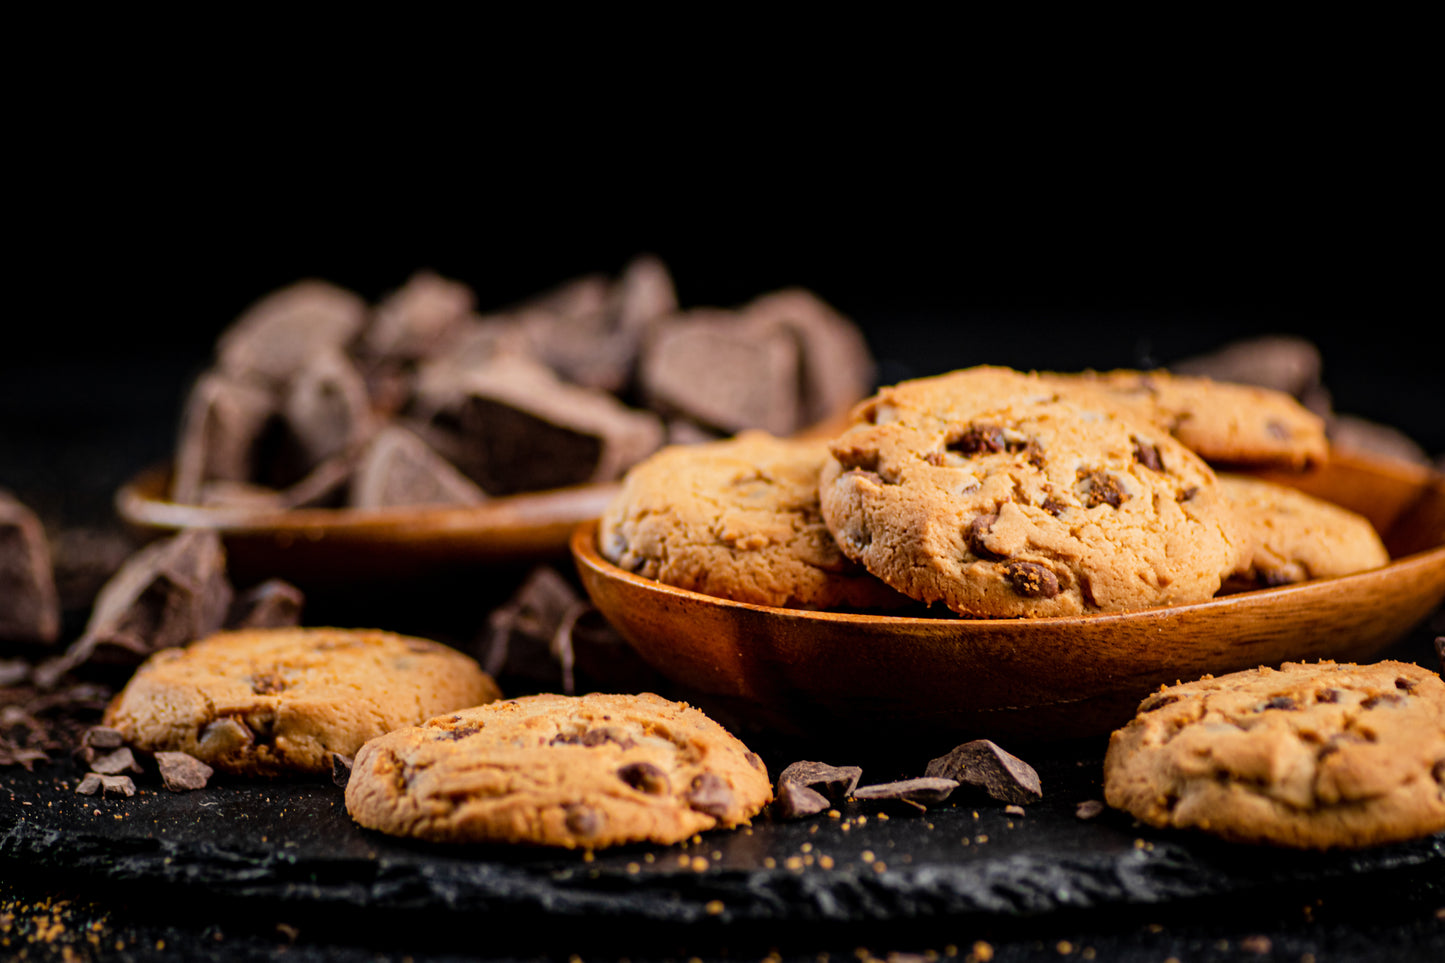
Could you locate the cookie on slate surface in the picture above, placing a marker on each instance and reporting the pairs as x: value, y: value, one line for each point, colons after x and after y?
x: 737, y: 519
x: 272, y: 701
x: 1309, y: 756
x: 577, y: 772
x: 987, y: 490
x: 1223, y: 422
x: 1294, y: 536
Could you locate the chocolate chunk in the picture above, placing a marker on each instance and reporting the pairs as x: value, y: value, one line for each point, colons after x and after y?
x: 794, y: 800
x: 84, y: 560
x: 1100, y: 488
x: 978, y: 440
x: 1054, y: 507
x: 836, y: 366
x: 724, y: 371
x: 327, y: 408
x: 593, y: 737
x: 710, y: 794
x: 920, y: 793
x: 277, y: 335
x: 116, y: 762
x: 530, y: 637
x: 977, y: 530
x: 645, y: 777
x: 224, y: 735
x: 583, y: 820
x: 1089, y: 809
x: 834, y: 782
x: 981, y: 764
x: 273, y: 604
x: 222, y: 428
x: 512, y: 426
x: 398, y: 468
x: 1032, y: 580
x: 94, y: 783
x: 1408, y: 685
x: 1352, y: 433
x: 29, y: 603
x: 1281, y: 362
x: 1148, y: 455
x: 341, y: 769
x: 643, y: 294
x: 418, y: 319
x: 1383, y: 698
x: 169, y: 593
x: 1281, y: 702
x: 182, y: 772
x: 1328, y: 695
x: 102, y: 737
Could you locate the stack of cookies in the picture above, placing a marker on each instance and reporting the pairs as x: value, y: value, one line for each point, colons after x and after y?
x: 999, y: 494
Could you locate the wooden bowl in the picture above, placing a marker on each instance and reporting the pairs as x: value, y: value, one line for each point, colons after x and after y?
x: 328, y: 547
x: 1029, y: 679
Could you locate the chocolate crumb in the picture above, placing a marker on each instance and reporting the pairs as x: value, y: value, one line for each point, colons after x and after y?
x: 1089, y: 809
x: 102, y: 737
x: 182, y: 772
x: 981, y: 764
x: 94, y: 783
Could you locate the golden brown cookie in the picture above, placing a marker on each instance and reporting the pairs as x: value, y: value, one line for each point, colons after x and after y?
x: 1293, y: 536
x: 1310, y: 756
x: 996, y: 493
x: 737, y: 519
x: 550, y: 770
x: 271, y: 701
x: 1223, y: 422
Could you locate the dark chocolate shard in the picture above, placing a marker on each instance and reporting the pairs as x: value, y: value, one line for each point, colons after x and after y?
x: 29, y: 603
x: 982, y: 765
x: 277, y: 335
x: 925, y: 791
x: 418, y: 319
x: 724, y: 371
x: 795, y: 800
x: 512, y: 426
x: 529, y: 637
x: 102, y: 737
x: 94, y: 783
x: 341, y: 769
x: 169, y: 593
x: 273, y: 604
x: 182, y: 772
x: 398, y: 468
x: 116, y: 762
x: 710, y: 794
x: 222, y: 427
x: 327, y: 408
x: 836, y: 783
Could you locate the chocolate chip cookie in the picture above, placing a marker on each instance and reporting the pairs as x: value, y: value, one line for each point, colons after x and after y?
x: 271, y: 701
x: 740, y: 520
x: 1309, y: 756
x: 1223, y: 422
x: 1002, y: 495
x: 550, y: 770
x: 1293, y: 536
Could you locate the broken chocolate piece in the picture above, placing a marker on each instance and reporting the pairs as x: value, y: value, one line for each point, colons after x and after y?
x: 169, y: 593
x: 529, y: 638
x: 1352, y: 433
x: 94, y: 783
x: 416, y: 320
x: 835, y: 363
x: 116, y: 762
x: 273, y: 604
x: 399, y: 468
x: 29, y: 603
x: 84, y: 560
x: 724, y: 371
x: 276, y: 336
x: 182, y: 772
x: 920, y: 793
x: 794, y: 800
x: 222, y: 426
x: 1281, y: 362
x: 223, y: 735
x: 341, y: 769
x: 1032, y: 580
x: 981, y: 764
x: 327, y: 409
x: 1088, y: 809
x: 836, y: 783
x: 512, y: 426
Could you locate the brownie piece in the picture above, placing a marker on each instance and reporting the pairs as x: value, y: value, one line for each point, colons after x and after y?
x: 29, y: 603
x: 512, y: 426
x: 727, y: 371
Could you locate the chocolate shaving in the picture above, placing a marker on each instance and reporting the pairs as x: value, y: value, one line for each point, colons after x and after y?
x: 919, y: 793
x: 982, y: 765
x: 182, y: 772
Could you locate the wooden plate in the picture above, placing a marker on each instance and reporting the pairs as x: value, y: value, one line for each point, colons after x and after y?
x: 1030, y: 679
x: 333, y: 546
